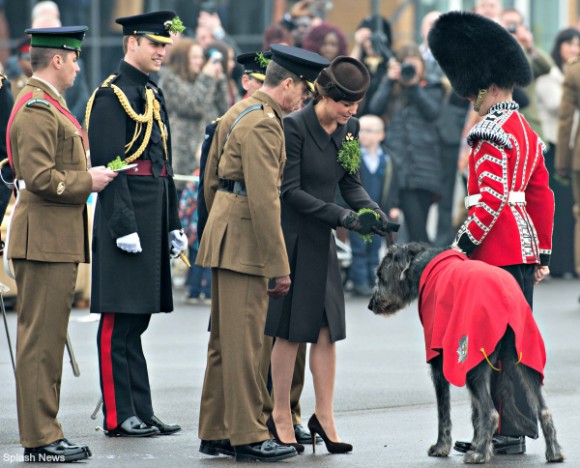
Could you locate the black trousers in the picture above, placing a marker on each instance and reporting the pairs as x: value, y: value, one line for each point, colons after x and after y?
x: 524, y: 275
x: 123, y: 369
x: 415, y: 205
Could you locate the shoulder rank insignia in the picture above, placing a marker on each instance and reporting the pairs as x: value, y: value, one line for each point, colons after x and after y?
x: 37, y: 101
x: 60, y: 188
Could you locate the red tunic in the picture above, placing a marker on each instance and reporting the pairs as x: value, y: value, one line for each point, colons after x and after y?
x: 466, y: 306
x: 507, y: 156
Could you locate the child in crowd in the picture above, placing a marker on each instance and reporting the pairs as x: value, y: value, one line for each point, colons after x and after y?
x: 198, y: 278
x: 379, y: 180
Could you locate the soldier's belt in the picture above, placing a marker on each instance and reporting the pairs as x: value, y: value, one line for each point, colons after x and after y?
x: 513, y: 198
x: 237, y: 187
x: 144, y: 168
x: 19, y: 184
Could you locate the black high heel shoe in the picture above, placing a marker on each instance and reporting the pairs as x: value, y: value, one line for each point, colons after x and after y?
x: 272, y: 428
x: 333, y: 447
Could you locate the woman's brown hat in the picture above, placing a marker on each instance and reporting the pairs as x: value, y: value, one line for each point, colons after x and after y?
x: 346, y: 79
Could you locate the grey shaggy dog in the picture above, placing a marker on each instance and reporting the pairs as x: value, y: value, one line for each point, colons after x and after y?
x: 397, y: 286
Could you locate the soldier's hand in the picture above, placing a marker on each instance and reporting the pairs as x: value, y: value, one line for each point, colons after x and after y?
x: 540, y: 273
x: 101, y: 177
x: 280, y: 288
x: 130, y: 243
x: 177, y: 242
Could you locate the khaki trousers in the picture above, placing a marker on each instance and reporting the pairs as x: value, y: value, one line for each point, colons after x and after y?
x: 576, y: 211
x: 45, y: 293
x: 297, y: 379
x: 234, y: 389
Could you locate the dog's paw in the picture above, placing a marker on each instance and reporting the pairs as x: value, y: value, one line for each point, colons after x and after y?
x: 439, y: 450
x: 554, y: 456
x: 473, y: 458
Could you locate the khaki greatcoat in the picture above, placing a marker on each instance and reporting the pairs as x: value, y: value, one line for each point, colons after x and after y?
x: 243, y: 244
x: 48, y: 237
x: 567, y: 157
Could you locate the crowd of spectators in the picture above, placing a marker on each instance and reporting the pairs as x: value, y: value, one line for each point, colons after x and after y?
x: 424, y: 121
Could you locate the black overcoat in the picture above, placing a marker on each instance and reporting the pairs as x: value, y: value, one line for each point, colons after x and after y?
x: 124, y: 282
x: 309, y: 213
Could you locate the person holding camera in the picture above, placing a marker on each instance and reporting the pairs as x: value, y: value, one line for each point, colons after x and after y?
x: 540, y: 61
x: 410, y: 107
x: 373, y: 48
x: 198, y: 94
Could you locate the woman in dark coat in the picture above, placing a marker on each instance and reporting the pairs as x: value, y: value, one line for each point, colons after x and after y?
x: 313, y: 311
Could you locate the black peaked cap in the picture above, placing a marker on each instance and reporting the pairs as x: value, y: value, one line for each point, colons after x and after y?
x: 307, y: 65
x: 475, y: 52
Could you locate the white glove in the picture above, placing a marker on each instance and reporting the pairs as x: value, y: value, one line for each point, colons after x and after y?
x: 130, y: 243
x: 177, y: 242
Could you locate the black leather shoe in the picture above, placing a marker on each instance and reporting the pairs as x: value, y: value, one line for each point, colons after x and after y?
x: 83, y: 446
x: 132, y: 427
x: 164, y: 429
x: 502, y: 445
x: 267, y: 451
x: 215, y: 447
x: 60, y: 451
x: 303, y: 436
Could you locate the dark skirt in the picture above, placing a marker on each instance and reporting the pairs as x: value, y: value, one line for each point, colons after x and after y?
x: 311, y: 303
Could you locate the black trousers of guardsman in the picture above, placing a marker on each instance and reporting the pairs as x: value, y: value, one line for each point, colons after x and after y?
x: 123, y: 369
x: 524, y: 275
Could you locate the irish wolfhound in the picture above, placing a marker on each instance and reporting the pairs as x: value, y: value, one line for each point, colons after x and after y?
x: 476, y: 321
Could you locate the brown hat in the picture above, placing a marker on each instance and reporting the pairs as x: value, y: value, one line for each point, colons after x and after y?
x: 346, y: 79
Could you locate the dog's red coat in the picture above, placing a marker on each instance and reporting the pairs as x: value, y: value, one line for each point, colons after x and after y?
x: 461, y: 298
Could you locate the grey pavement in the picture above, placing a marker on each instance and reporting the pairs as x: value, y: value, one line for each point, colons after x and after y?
x: 384, y: 397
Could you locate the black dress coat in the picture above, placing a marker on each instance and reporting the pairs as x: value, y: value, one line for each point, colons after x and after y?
x: 121, y: 281
x: 309, y: 213
x: 6, y: 102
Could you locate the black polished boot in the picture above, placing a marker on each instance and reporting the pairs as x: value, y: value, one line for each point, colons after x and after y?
x: 267, y: 451
x: 164, y: 429
x: 303, y: 436
x: 502, y: 445
x: 60, y: 451
x: 216, y: 447
x: 132, y: 427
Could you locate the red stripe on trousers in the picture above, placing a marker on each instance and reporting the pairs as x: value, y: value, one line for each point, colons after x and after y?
x: 107, y: 371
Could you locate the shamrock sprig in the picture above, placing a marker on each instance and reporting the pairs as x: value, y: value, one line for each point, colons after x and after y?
x: 262, y: 60
x: 349, y: 154
x: 175, y: 26
x: 368, y: 238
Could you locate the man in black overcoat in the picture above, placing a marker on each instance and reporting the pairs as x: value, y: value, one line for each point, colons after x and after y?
x: 136, y: 226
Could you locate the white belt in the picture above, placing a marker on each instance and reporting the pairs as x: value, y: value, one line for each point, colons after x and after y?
x: 19, y: 184
x: 513, y: 198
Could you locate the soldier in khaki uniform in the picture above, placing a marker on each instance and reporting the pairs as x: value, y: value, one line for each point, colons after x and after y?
x: 567, y: 153
x: 47, y: 236
x: 244, y: 246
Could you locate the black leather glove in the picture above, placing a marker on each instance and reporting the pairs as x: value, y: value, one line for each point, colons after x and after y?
x: 386, y: 226
x: 349, y: 220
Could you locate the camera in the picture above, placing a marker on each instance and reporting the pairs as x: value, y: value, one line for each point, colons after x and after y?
x: 408, y: 71
x: 209, y: 7
x: 215, y: 56
x: 512, y: 28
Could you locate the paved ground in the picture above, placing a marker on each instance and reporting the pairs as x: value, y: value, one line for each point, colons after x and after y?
x: 384, y: 398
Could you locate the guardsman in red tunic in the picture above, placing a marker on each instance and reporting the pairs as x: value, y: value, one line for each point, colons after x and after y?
x: 511, y: 207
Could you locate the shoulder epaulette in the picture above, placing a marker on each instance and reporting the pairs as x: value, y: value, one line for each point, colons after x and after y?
x: 111, y: 78
x: 32, y: 102
x: 489, y: 129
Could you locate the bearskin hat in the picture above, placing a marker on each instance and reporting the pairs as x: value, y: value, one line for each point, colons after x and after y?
x: 475, y: 52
